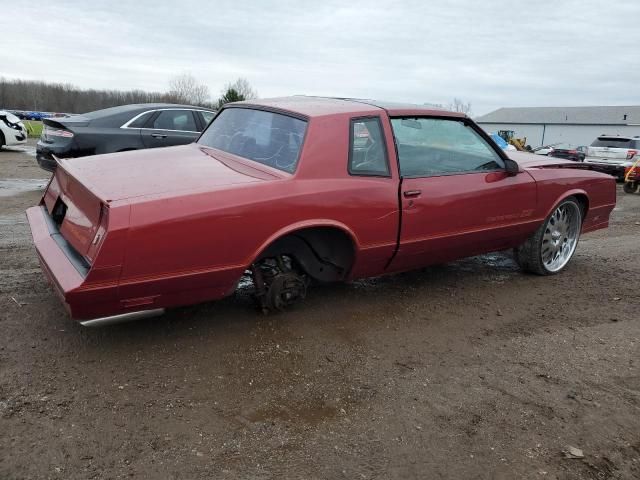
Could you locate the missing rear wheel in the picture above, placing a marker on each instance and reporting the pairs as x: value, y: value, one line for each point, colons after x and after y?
x: 279, y: 283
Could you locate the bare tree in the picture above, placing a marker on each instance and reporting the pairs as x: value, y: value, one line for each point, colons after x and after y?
x: 186, y: 89
x: 236, y: 92
x: 244, y: 89
x: 56, y: 97
x: 458, y: 105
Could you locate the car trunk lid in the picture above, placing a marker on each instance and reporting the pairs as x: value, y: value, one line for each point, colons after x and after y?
x: 81, y: 190
x: 192, y: 168
x: 76, y: 212
x: 65, y: 123
x: 60, y: 130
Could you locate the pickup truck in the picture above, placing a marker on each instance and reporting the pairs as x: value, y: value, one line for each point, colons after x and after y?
x: 302, y: 190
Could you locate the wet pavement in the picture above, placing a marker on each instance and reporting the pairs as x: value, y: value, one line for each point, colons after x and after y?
x: 15, y: 186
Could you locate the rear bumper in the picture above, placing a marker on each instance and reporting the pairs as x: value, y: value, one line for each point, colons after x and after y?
x: 62, y: 273
x: 92, y: 293
x: 46, y: 162
x: 45, y: 153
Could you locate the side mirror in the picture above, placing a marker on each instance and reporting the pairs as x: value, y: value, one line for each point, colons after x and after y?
x: 511, y: 167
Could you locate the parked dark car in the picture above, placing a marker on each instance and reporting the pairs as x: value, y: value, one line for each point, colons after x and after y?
x: 119, y: 129
x: 569, y: 152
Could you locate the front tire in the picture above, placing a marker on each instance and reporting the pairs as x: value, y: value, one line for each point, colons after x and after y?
x: 630, y: 187
x: 550, y: 248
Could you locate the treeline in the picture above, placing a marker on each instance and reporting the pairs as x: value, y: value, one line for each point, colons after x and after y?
x: 57, y: 97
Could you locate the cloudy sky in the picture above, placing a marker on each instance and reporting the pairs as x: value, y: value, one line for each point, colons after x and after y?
x: 491, y: 53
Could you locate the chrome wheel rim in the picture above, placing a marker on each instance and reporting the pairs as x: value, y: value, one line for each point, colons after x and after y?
x: 560, y: 236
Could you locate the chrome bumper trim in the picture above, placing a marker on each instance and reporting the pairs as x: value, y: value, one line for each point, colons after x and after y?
x: 124, y: 317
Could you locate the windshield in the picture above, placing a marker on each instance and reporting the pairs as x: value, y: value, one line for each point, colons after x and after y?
x: 269, y: 138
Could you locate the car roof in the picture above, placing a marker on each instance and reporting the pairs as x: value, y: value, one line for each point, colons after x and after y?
x: 617, y: 137
x: 321, y: 106
x: 107, y: 112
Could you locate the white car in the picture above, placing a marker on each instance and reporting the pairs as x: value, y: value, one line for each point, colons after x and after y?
x: 613, y: 154
x: 12, y: 130
x: 546, y: 150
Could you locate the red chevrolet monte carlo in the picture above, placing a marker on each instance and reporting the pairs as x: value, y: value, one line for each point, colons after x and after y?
x: 300, y: 190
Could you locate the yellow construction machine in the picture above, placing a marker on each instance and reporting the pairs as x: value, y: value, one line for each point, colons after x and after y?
x: 509, y: 136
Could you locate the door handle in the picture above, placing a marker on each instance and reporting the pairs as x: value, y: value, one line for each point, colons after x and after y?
x: 158, y: 135
x: 412, y: 193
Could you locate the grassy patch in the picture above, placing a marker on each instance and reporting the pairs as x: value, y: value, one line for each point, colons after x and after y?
x: 34, y: 128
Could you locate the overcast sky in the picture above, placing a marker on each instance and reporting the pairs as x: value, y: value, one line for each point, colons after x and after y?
x: 491, y: 53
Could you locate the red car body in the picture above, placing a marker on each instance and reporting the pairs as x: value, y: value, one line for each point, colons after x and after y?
x: 135, y: 231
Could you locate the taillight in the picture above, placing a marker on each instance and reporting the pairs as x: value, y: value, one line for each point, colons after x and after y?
x: 98, y: 237
x: 631, y: 154
x: 57, y: 132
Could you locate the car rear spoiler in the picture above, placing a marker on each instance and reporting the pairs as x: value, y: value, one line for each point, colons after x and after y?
x: 66, y: 122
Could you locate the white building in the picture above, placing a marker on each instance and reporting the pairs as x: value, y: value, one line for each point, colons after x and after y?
x: 573, y: 125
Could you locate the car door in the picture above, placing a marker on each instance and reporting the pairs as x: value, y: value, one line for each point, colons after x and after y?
x: 170, y: 127
x: 457, y: 199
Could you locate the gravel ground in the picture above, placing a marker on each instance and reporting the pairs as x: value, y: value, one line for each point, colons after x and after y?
x: 469, y: 370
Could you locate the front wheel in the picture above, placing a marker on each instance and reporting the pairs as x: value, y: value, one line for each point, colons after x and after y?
x: 550, y: 248
x: 630, y: 187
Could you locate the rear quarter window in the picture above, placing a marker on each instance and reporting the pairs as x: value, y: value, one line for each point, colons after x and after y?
x: 368, y: 151
x: 141, y: 120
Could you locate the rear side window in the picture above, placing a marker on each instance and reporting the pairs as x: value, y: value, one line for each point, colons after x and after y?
x: 367, y: 152
x: 141, y: 120
x: 207, y: 117
x: 181, y: 120
x: 614, y: 142
x: 269, y: 138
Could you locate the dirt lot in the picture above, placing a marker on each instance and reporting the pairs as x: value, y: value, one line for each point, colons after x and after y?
x: 470, y: 370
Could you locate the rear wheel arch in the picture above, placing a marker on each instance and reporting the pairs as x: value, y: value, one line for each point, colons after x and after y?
x: 2, y: 140
x: 326, y: 252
